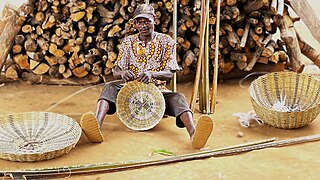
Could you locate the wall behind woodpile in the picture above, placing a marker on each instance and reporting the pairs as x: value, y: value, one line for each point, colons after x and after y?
x: 14, y: 4
x: 63, y: 40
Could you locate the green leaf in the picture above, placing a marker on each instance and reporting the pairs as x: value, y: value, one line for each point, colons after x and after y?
x: 164, y: 152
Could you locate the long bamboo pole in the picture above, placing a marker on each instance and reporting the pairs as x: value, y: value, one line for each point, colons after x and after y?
x: 201, y: 88
x: 112, y: 167
x: 216, y: 65
x: 175, y: 32
x: 206, y: 84
x: 198, y: 70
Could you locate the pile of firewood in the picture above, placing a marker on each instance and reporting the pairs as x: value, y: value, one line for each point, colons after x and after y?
x: 73, y: 38
x: 246, y: 30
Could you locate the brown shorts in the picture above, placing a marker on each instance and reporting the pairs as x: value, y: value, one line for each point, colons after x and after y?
x: 176, y: 103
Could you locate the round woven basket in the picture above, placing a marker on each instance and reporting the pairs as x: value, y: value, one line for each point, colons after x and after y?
x: 297, y: 91
x: 37, y: 136
x: 140, y: 106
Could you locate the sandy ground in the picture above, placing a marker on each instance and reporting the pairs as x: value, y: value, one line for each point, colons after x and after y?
x: 293, y: 162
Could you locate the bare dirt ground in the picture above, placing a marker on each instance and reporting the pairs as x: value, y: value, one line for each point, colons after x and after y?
x: 292, y: 162
x: 121, y: 144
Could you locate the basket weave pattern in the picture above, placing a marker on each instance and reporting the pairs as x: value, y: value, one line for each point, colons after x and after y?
x: 299, y: 89
x: 140, y: 106
x: 36, y: 136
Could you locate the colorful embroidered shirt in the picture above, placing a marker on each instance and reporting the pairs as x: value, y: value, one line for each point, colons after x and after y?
x: 156, y: 55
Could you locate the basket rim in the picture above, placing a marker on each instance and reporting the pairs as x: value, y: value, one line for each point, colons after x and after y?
x: 56, y: 151
x: 282, y: 72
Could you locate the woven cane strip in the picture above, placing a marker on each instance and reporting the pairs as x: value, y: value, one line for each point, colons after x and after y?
x: 35, y: 136
x: 299, y: 90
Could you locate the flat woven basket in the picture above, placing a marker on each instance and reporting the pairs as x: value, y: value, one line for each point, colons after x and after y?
x: 37, y: 136
x: 295, y: 90
x: 140, y: 106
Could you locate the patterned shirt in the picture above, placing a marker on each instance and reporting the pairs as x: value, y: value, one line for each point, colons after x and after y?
x: 156, y: 55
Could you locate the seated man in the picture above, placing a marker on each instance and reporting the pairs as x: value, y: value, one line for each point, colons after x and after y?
x: 148, y: 57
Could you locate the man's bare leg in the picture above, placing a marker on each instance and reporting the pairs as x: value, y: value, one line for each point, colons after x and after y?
x: 91, y: 123
x: 101, y: 111
x: 187, y: 120
x: 199, y: 134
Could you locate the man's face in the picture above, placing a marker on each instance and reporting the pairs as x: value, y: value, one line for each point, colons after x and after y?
x: 144, y: 26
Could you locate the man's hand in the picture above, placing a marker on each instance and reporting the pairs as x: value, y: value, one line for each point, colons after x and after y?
x: 145, y: 77
x: 128, y: 76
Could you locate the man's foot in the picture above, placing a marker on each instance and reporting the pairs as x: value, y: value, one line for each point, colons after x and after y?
x: 90, y: 127
x: 202, y: 132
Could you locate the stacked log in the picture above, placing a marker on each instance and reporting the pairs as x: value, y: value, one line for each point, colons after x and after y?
x: 73, y: 38
x: 10, y: 25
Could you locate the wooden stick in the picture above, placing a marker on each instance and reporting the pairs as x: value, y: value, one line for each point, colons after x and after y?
x: 216, y: 66
x: 289, y: 36
x: 198, y: 70
x: 7, y: 37
x: 273, y: 6
x: 201, y: 87
x: 258, y: 52
x: 308, y: 16
x: 254, y: 5
x: 175, y: 32
x: 309, y: 51
x: 206, y: 83
x: 245, y: 35
x: 280, y: 7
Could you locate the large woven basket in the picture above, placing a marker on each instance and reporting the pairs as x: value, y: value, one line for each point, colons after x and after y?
x: 37, y: 136
x: 297, y: 91
x: 140, y: 106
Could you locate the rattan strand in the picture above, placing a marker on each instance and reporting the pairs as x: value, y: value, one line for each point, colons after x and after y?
x: 300, y: 90
x: 37, y: 136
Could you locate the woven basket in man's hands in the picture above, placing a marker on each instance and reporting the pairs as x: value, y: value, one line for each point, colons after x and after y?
x: 140, y: 106
x: 37, y: 136
x: 286, y: 99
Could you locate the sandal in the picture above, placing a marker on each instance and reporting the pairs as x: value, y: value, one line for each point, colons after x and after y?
x: 202, y: 132
x: 90, y: 127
